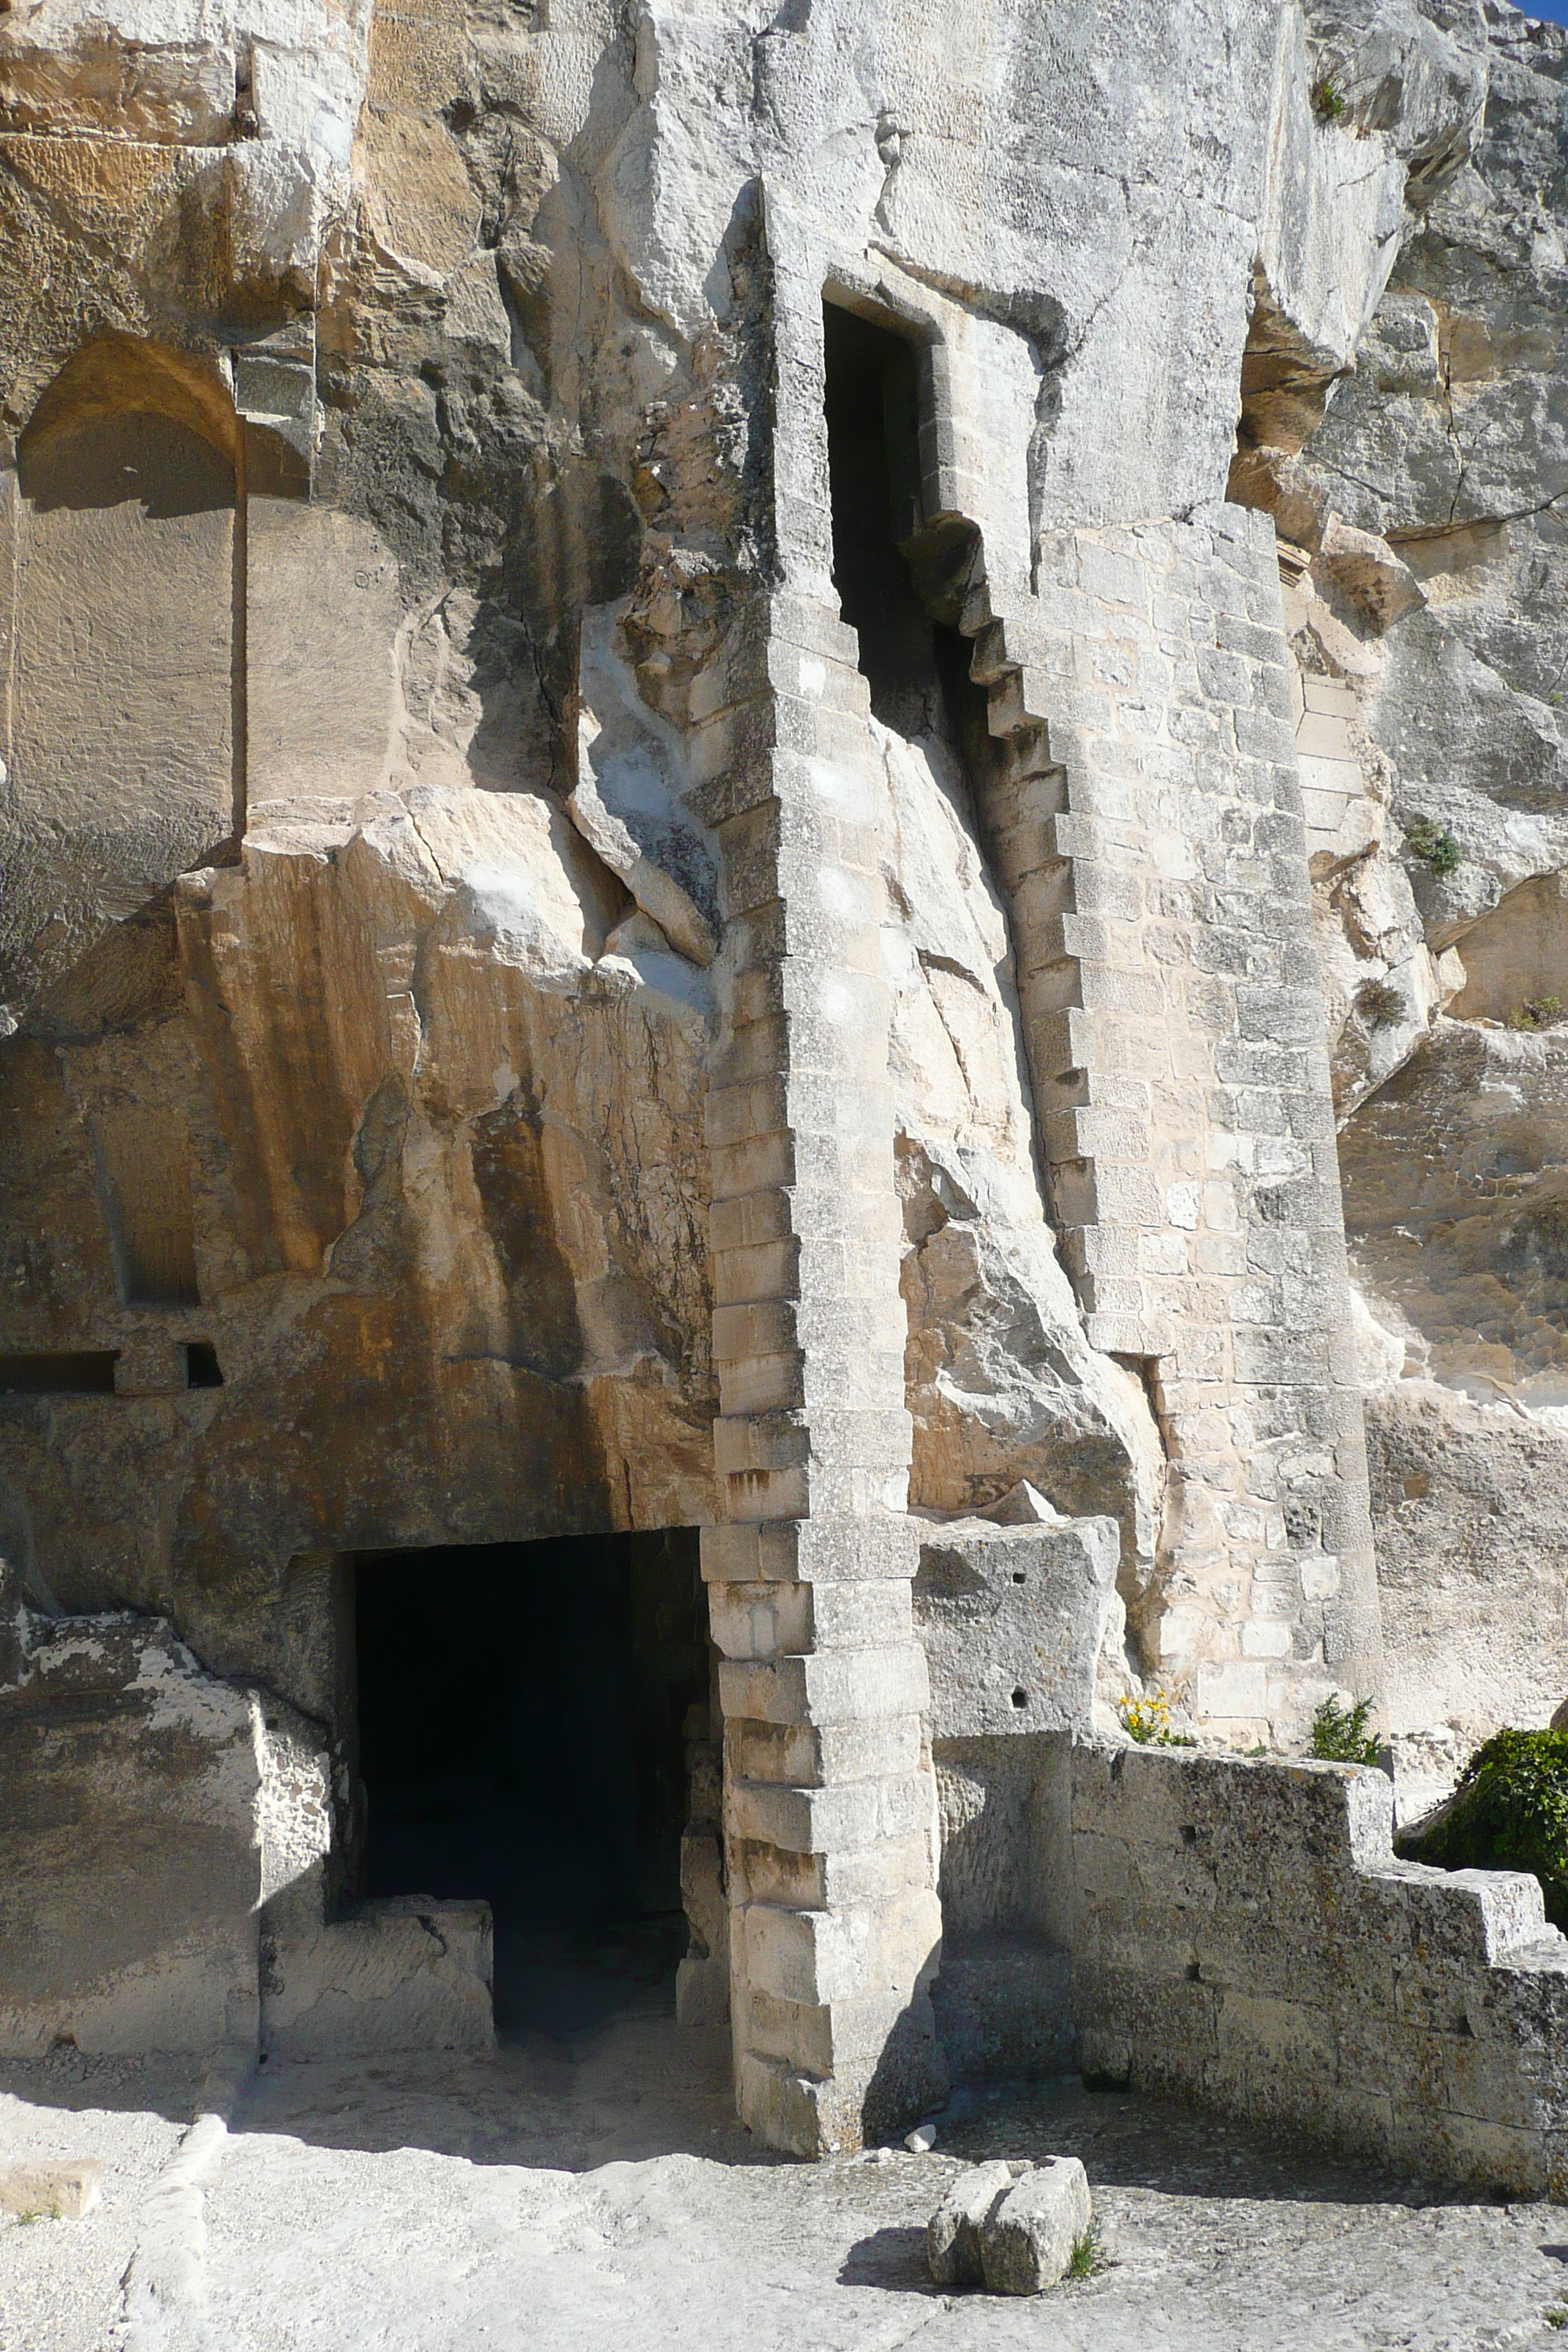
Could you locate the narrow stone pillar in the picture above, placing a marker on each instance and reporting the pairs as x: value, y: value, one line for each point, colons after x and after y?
x: 829, y: 1794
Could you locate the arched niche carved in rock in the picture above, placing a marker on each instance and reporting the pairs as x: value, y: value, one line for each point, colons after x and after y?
x: 124, y: 714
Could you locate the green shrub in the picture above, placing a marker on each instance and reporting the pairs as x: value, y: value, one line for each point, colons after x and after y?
x: 1340, y: 1733
x: 1541, y: 1013
x: 1327, y: 99
x: 1509, y: 1812
x: 1434, y: 842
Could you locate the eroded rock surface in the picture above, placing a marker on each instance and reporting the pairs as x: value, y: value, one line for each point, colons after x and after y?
x: 1424, y: 589
x: 533, y: 1007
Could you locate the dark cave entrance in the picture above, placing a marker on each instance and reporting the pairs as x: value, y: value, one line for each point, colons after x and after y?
x: 525, y: 1713
x: 900, y: 574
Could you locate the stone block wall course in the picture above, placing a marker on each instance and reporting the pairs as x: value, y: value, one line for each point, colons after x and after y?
x: 829, y: 1809
x: 1244, y: 1937
x: 1146, y: 821
x: 1144, y: 815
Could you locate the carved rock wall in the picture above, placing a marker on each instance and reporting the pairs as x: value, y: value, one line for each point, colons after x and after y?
x: 530, y: 1038
x: 1426, y: 602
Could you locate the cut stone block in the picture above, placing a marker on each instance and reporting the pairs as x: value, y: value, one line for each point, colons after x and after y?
x: 64, y: 2190
x: 147, y: 1909
x: 1026, y: 2241
x: 403, y: 1973
x: 1012, y: 1618
x: 954, y: 2233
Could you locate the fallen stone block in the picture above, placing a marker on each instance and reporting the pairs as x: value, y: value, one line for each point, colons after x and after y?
x: 1027, y: 2241
x: 953, y: 2231
x: 66, y: 2191
x: 1378, y: 581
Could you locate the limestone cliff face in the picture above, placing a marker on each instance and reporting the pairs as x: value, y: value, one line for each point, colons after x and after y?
x: 404, y: 435
x: 360, y: 975
x: 340, y: 1041
x: 1431, y: 631
x: 728, y: 735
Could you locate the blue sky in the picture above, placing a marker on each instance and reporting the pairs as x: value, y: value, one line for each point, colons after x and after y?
x: 1555, y: 12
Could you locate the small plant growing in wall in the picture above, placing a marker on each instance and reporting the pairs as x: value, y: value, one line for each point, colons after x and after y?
x: 1148, y: 1721
x: 1328, y: 98
x: 1541, y: 1012
x: 1434, y: 842
x: 1340, y: 1733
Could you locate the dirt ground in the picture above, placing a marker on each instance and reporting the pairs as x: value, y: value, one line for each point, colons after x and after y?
x: 595, y: 2194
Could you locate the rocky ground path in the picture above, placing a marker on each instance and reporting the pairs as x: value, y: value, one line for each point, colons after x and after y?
x: 597, y: 2197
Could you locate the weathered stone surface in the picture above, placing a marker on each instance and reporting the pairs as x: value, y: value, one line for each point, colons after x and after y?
x: 1184, y: 1133
x: 1455, y: 1176
x: 132, y: 1861
x: 121, y: 737
x: 592, y: 2214
x: 627, y: 801
x: 1014, y: 1621
x: 1004, y: 2004
x: 1516, y: 958
x: 1471, y: 1504
x: 1448, y: 443
x: 515, y: 978
x: 412, y: 1124
x: 169, y: 1857
x: 63, y: 2191
x: 1000, y: 1380
x: 955, y: 2232
x: 1381, y: 586
x: 1027, y: 2241
x: 1245, y: 1936
x: 999, y: 1801
x: 405, y: 1973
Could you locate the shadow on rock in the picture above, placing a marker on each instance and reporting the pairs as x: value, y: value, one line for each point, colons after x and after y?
x: 894, y: 2259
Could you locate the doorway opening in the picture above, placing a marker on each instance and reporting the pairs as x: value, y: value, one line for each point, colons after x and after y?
x: 526, y: 1714
x: 900, y: 574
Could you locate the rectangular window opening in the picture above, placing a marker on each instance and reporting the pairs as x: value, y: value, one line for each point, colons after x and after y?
x: 202, y: 1368
x: 901, y: 577
x: 70, y: 1372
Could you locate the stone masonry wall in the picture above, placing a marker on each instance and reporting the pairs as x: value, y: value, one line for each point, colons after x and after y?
x: 1144, y: 816
x: 830, y: 1804
x: 1154, y: 853
x: 830, y: 1809
x: 1245, y: 1937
